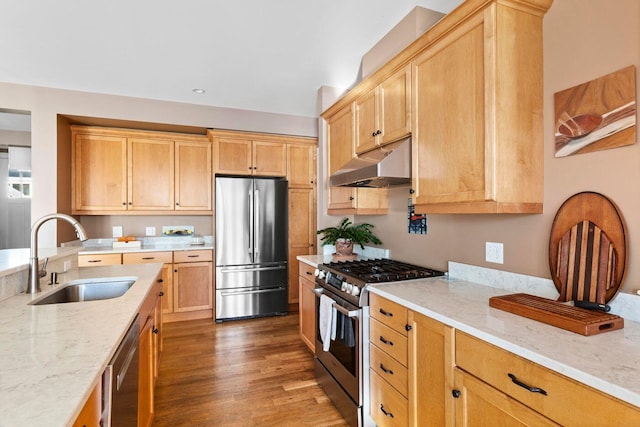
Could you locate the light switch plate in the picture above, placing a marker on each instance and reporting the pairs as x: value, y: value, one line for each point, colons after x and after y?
x: 117, y: 230
x: 150, y: 231
x: 494, y: 252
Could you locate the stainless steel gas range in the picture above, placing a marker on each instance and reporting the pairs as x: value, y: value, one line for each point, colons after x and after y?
x: 342, y: 354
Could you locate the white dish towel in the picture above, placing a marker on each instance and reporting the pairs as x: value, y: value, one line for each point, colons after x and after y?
x: 327, y: 321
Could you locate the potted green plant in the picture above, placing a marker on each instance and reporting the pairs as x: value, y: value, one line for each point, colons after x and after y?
x: 346, y: 234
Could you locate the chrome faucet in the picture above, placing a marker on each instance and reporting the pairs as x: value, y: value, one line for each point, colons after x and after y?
x: 33, y: 285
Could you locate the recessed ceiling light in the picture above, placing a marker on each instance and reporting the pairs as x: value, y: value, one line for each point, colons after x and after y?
x: 198, y: 90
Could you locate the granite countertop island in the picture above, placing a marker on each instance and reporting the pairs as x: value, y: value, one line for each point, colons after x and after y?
x: 52, y: 356
x: 609, y: 362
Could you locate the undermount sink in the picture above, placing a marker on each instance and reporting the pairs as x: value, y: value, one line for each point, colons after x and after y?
x: 88, y: 290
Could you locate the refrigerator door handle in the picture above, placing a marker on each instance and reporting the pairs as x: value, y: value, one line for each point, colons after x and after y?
x: 256, y: 250
x: 240, y: 270
x: 251, y: 229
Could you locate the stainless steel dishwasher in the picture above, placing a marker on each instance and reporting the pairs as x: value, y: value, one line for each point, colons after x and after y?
x: 120, y: 382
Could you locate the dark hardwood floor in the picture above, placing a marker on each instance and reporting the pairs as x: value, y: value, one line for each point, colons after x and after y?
x: 241, y: 373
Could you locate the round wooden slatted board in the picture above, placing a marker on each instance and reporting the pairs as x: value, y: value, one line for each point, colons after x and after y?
x: 604, y: 215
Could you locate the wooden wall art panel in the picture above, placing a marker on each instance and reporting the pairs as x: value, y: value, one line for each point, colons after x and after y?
x: 596, y: 115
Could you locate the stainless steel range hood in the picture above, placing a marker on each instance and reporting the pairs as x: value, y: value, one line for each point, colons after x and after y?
x: 386, y: 166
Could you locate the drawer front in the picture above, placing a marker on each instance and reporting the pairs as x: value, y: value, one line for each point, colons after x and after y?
x: 146, y: 257
x: 567, y: 401
x: 388, y: 312
x: 389, y: 369
x: 306, y: 271
x: 389, y: 341
x: 388, y: 407
x: 193, y: 256
x: 96, y: 260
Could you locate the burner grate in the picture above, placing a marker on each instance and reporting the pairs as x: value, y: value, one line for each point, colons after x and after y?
x: 383, y: 270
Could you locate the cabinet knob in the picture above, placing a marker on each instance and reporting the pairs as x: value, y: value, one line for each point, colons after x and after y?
x: 350, y: 197
x: 177, y: 204
x: 455, y: 393
x: 407, y: 328
x: 124, y: 204
x: 154, y: 330
x: 373, y: 134
x: 130, y: 203
x: 412, y: 191
x: 161, y: 294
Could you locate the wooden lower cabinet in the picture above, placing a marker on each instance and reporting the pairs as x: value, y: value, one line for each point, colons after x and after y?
x: 455, y: 379
x: 431, y: 362
x: 307, y: 305
x: 479, y: 404
x: 92, y: 410
x: 192, y: 285
x: 187, y: 282
x: 150, y: 346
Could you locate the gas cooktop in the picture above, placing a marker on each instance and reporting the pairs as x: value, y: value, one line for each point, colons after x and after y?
x: 382, y: 270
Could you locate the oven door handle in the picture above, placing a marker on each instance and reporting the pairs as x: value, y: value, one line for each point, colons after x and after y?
x: 341, y: 309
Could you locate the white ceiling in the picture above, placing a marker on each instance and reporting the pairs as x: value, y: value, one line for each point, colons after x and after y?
x: 250, y: 54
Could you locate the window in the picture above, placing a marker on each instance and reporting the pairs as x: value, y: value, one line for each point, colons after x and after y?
x: 19, y: 184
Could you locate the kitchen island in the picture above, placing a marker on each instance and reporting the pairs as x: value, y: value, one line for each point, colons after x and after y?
x: 53, y: 356
x: 607, y: 362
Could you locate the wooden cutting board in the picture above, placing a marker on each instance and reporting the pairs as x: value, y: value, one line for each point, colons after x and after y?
x: 586, y: 263
x: 574, y: 319
x: 588, y: 249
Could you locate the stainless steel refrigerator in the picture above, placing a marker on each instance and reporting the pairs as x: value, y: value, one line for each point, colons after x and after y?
x: 251, y: 247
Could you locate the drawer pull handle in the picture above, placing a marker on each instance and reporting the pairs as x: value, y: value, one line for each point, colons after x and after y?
x: 385, y: 370
x: 148, y: 257
x: 516, y: 381
x: 309, y: 273
x: 385, y: 313
x: 388, y: 414
x: 193, y: 256
x: 95, y: 260
x: 385, y: 341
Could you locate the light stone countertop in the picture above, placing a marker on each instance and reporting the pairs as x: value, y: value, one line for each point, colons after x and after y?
x: 609, y: 361
x: 51, y: 356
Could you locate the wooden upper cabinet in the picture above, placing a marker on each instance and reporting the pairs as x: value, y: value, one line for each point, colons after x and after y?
x: 347, y: 200
x: 193, y: 178
x: 301, y: 165
x: 383, y: 114
x: 99, y: 173
x: 477, y: 122
x: 116, y: 171
x: 240, y: 156
x: 150, y: 169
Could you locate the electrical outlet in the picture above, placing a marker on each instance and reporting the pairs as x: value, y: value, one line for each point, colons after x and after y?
x: 66, y: 266
x: 117, y: 230
x: 494, y: 252
x: 150, y: 231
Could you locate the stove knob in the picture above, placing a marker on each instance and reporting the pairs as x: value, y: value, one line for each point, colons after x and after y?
x: 355, y: 291
x: 316, y: 272
x: 345, y: 286
x: 320, y: 274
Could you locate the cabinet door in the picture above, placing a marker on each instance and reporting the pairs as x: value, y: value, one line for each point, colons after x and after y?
x: 301, y: 166
x: 307, y: 312
x: 151, y: 166
x: 340, y: 151
x: 302, y: 233
x: 99, y: 173
x: 269, y: 158
x: 192, y: 286
x: 232, y: 156
x: 91, y: 411
x: 431, y: 362
x: 366, y: 122
x: 451, y: 161
x: 394, y: 106
x: 479, y: 404
x: 193, y: 181
x: 146, y: 374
